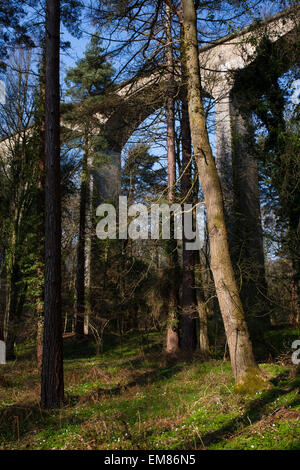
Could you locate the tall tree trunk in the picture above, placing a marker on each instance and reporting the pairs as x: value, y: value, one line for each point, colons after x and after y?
x: 52, y: 389
x: 172, y: 343
x: 11, y: 307
x: 40, y: 205
x: 202, y: 307
x: 295, y: 292
x: 10, y: 322
x: 81, y: 252
x: 246, y: 372
x: 188, y: 316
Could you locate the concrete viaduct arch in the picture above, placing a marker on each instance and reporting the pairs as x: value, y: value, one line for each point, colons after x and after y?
x: 234, y: 70
x: 228, y: 66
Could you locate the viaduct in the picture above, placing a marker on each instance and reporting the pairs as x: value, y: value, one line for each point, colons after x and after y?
x: 235, y: 71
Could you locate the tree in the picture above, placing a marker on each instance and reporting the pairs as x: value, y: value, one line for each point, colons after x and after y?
x: 278, y: 157
x: 40, y: 205
x: 172, y: 341
x: 52, y: 389
x: 142, y: 177
x: 14, y: 29
x: 244, y: 365
x: 70, y: 17
x: 87, y: 83
x: 143, y: 23
x: 18, y: 179
x: 188, y: 318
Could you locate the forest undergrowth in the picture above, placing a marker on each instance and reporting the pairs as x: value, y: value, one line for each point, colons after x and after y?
x: 132, y: 397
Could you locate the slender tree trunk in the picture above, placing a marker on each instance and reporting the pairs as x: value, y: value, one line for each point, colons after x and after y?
x: 81, y: 253
x: 40, y: 204
x: 13, y: 293
x: 172, y: 343
x: 246, y: 372
x: 39, y: 341
x: 11, y: 319
x: 203, y: 330
x: 295, y: 292
x: 188, y: 316
x: 202, y: 307
x: 52, y: 389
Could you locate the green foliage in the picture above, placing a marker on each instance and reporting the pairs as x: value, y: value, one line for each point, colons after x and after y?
x: 13, y: 27
x: 130, y: 398
x: 281, y: 341
x: 22, y: 196
x: 278, y: 152
x: 87, y: 84
x: 92, y: 74
x: 71, y: 15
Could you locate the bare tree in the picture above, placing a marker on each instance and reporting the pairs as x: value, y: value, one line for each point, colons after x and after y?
x: 172, y: 344
x: 245, y: 369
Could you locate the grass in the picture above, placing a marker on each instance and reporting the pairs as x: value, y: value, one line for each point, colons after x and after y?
x: 130, y: 397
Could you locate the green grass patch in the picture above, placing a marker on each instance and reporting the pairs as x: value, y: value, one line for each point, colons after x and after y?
x: 130, y: 397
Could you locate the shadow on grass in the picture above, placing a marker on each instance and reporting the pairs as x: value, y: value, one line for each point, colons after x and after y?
x: 79, y: 349
x: 148, y: 378
x: 113, y: 345
x: 19, y: 420
x: 254, y: 411
x: 16, y: 419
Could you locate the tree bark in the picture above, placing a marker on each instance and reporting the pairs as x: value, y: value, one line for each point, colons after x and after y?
x: 81, y: 252
x: 40, y: 206
x: 188, y: 316
x: 246, y: 372
x: 11, y: 310
x: 202, y: 307
x: 52, y: 389
x: 11, y: 320
x: 172, y: 342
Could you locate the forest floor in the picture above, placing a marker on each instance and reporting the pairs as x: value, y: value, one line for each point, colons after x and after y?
x: 130, y: 397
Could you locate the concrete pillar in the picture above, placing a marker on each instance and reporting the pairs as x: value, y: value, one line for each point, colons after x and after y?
x: 249, y: 250
x: 223, y: 155
x: 246, y: 190
x: 238, y: 173
x: 107, y: 176
x: 104, y: 185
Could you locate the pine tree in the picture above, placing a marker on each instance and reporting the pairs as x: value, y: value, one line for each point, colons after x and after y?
x: 13, y: 28
x: 92, y: 74
x: 87, y: 83
x: 52, y: 388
